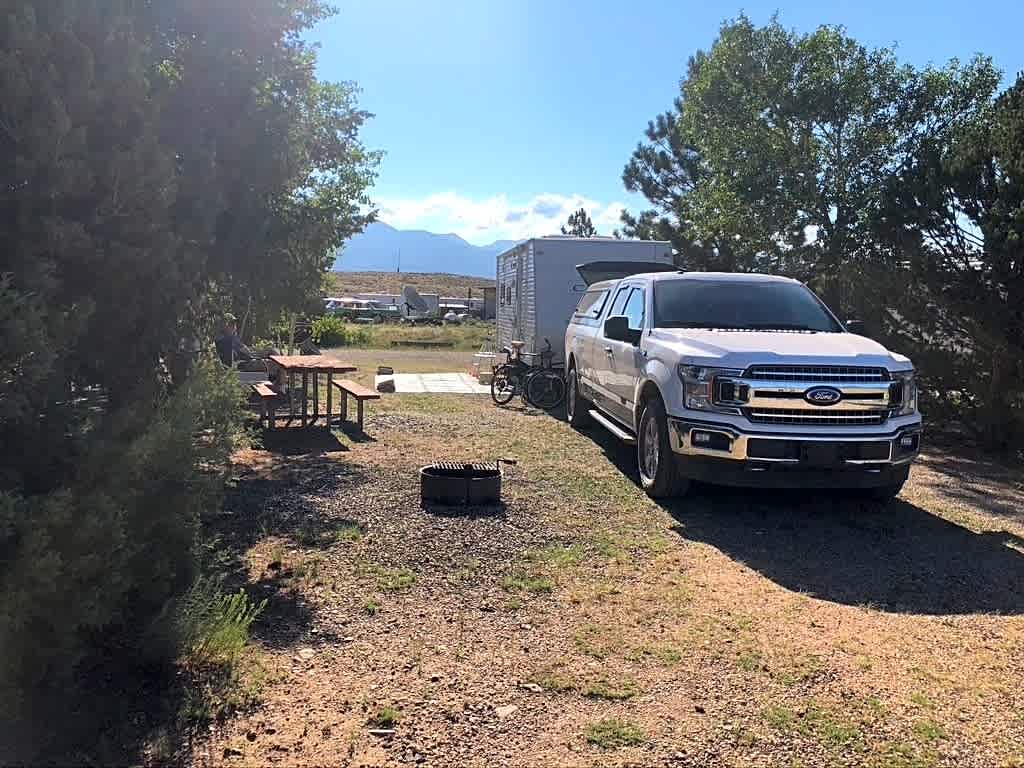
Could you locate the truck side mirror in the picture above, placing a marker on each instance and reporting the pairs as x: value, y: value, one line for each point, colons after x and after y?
x: 617, y: 329
x: 855, y: 326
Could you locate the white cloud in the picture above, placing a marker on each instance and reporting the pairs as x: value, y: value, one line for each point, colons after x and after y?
x: 494, y: 218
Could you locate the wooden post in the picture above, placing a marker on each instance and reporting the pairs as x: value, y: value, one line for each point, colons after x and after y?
x: 305, y: 396
x: 344, y: 405
x: 316, y: 396
x: 359, y: 410
x: 330, y: 396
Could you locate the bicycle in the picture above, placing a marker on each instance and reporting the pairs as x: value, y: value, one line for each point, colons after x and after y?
x: 545, y: 385
x: 509, y: 378
x: 540, y: 386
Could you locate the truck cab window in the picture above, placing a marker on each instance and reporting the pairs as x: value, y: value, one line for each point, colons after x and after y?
x: 620, y: 301
x: 634, y: 310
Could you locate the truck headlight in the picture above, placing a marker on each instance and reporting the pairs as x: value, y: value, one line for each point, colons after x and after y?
x: 712, y: 389
x: 903, y: 393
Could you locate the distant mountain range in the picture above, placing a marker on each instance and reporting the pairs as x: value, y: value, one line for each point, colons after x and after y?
x: 379, y: 246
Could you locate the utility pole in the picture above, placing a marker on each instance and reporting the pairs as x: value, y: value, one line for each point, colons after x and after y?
x: 399, y: 269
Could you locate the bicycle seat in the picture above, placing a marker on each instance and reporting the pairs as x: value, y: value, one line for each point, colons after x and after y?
x: 507, y: 350
x: 518, y: 344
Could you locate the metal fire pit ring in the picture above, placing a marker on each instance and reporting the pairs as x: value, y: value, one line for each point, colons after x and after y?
x: 454, y: 483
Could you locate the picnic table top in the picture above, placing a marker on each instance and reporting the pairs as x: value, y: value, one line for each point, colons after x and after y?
x: 317, y: 363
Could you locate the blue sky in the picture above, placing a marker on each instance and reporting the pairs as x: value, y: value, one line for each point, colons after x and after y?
x: 499, y: 117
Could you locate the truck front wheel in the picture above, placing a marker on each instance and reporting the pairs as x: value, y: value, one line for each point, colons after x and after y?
x: 659, y: 475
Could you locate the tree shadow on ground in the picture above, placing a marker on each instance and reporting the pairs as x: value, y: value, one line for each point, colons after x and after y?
x: 896, y: 557
x: 127, y: 705
x: 980, y: 482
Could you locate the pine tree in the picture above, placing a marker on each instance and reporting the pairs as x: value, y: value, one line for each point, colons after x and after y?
x: 579, y: 225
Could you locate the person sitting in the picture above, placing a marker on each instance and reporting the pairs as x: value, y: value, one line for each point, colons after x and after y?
x: 231, y: 351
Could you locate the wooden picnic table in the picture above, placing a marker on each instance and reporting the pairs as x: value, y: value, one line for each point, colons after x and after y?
x: 306, y: 366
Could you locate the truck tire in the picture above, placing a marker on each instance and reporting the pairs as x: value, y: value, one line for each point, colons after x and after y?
x: 577, y: 407
x: 659, y: 473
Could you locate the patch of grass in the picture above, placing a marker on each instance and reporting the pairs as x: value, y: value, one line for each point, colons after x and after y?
x: 388, y: 579
x: 468, y: 336
x: 903, y: 755
x: 831, y: 732
x: 214, y: 627
x: 554, y: 679
x: 614, y: 546
x: 513, y: 604
x: 371, y: 607
x: 798, y: 669
x: 556, y: 555
x: 779, y: 717
x: 395, y: 579
x: 864, y: 663
x: 612, y: 690
x: 928, y: 731
x: 921, y: 700
x: 817, y: 723
x: 750, y: 660
x: 385, y: 717
x: 614, y: 733
x: 308, y: 571
x: 348, y: 531
x: 216, y: 693
x: 526, y: 583
x: 597, y: 641
x: 664, y: 654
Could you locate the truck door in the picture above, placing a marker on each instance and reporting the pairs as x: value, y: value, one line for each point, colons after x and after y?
x: 622, y: 360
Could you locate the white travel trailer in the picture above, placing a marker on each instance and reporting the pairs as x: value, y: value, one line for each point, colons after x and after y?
x: 538, y: 285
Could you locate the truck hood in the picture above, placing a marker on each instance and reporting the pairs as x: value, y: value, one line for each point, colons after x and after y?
x: 739, y: 349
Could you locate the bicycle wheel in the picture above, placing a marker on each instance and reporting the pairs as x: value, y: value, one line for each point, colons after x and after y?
x: 503, y: 385
x: 545, y: 390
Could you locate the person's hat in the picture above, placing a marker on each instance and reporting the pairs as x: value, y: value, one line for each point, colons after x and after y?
x: 229, y: 318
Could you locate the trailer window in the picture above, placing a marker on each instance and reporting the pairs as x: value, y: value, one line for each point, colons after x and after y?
x: 591, y: 304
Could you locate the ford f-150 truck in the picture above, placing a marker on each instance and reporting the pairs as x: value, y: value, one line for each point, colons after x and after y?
x: 739, y: 379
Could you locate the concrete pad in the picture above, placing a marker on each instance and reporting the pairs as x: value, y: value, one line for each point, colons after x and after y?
x: 437, y: 383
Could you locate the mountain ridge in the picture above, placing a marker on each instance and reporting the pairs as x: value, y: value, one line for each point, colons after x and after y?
x: 380, y: 247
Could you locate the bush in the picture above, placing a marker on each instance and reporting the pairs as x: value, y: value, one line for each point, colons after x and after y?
x: 94, y: 567
x: 331, y: 331
x: 213, y: 628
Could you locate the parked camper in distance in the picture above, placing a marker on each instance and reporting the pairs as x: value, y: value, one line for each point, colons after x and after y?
x: 539, y: 287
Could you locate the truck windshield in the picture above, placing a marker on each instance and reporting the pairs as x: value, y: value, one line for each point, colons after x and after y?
x: 740, y: 305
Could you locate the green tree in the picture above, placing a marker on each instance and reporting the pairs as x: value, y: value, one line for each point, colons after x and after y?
x: 579, y: 225
x: 667, y: 170
x: 160, y: 162
x: 783, y: 142
x: 955, y: 214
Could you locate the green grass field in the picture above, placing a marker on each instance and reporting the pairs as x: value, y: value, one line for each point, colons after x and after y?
x: 468, y: 336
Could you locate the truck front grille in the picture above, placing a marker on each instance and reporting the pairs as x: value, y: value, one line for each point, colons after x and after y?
x: 817, y: 417
x: 830, y: 374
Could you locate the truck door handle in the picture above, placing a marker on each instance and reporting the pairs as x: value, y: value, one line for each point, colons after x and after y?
x: 609, y: 351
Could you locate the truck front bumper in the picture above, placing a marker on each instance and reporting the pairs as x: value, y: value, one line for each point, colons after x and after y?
x: 723, y: 453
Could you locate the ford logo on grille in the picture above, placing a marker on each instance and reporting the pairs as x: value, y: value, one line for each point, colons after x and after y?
x: 823, y: 395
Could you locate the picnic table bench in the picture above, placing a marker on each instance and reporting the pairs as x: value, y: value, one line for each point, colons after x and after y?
x: 269, y: 399
x: 360, y: 393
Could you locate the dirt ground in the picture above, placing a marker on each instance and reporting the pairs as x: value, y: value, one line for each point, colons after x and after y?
x: 582, y: 624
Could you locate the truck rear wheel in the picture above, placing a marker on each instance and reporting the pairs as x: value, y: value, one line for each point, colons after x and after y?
x: 659, y: 473
x: 577, y: 407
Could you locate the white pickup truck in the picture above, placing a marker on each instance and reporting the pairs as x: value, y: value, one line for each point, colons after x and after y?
x: 739, y: 379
